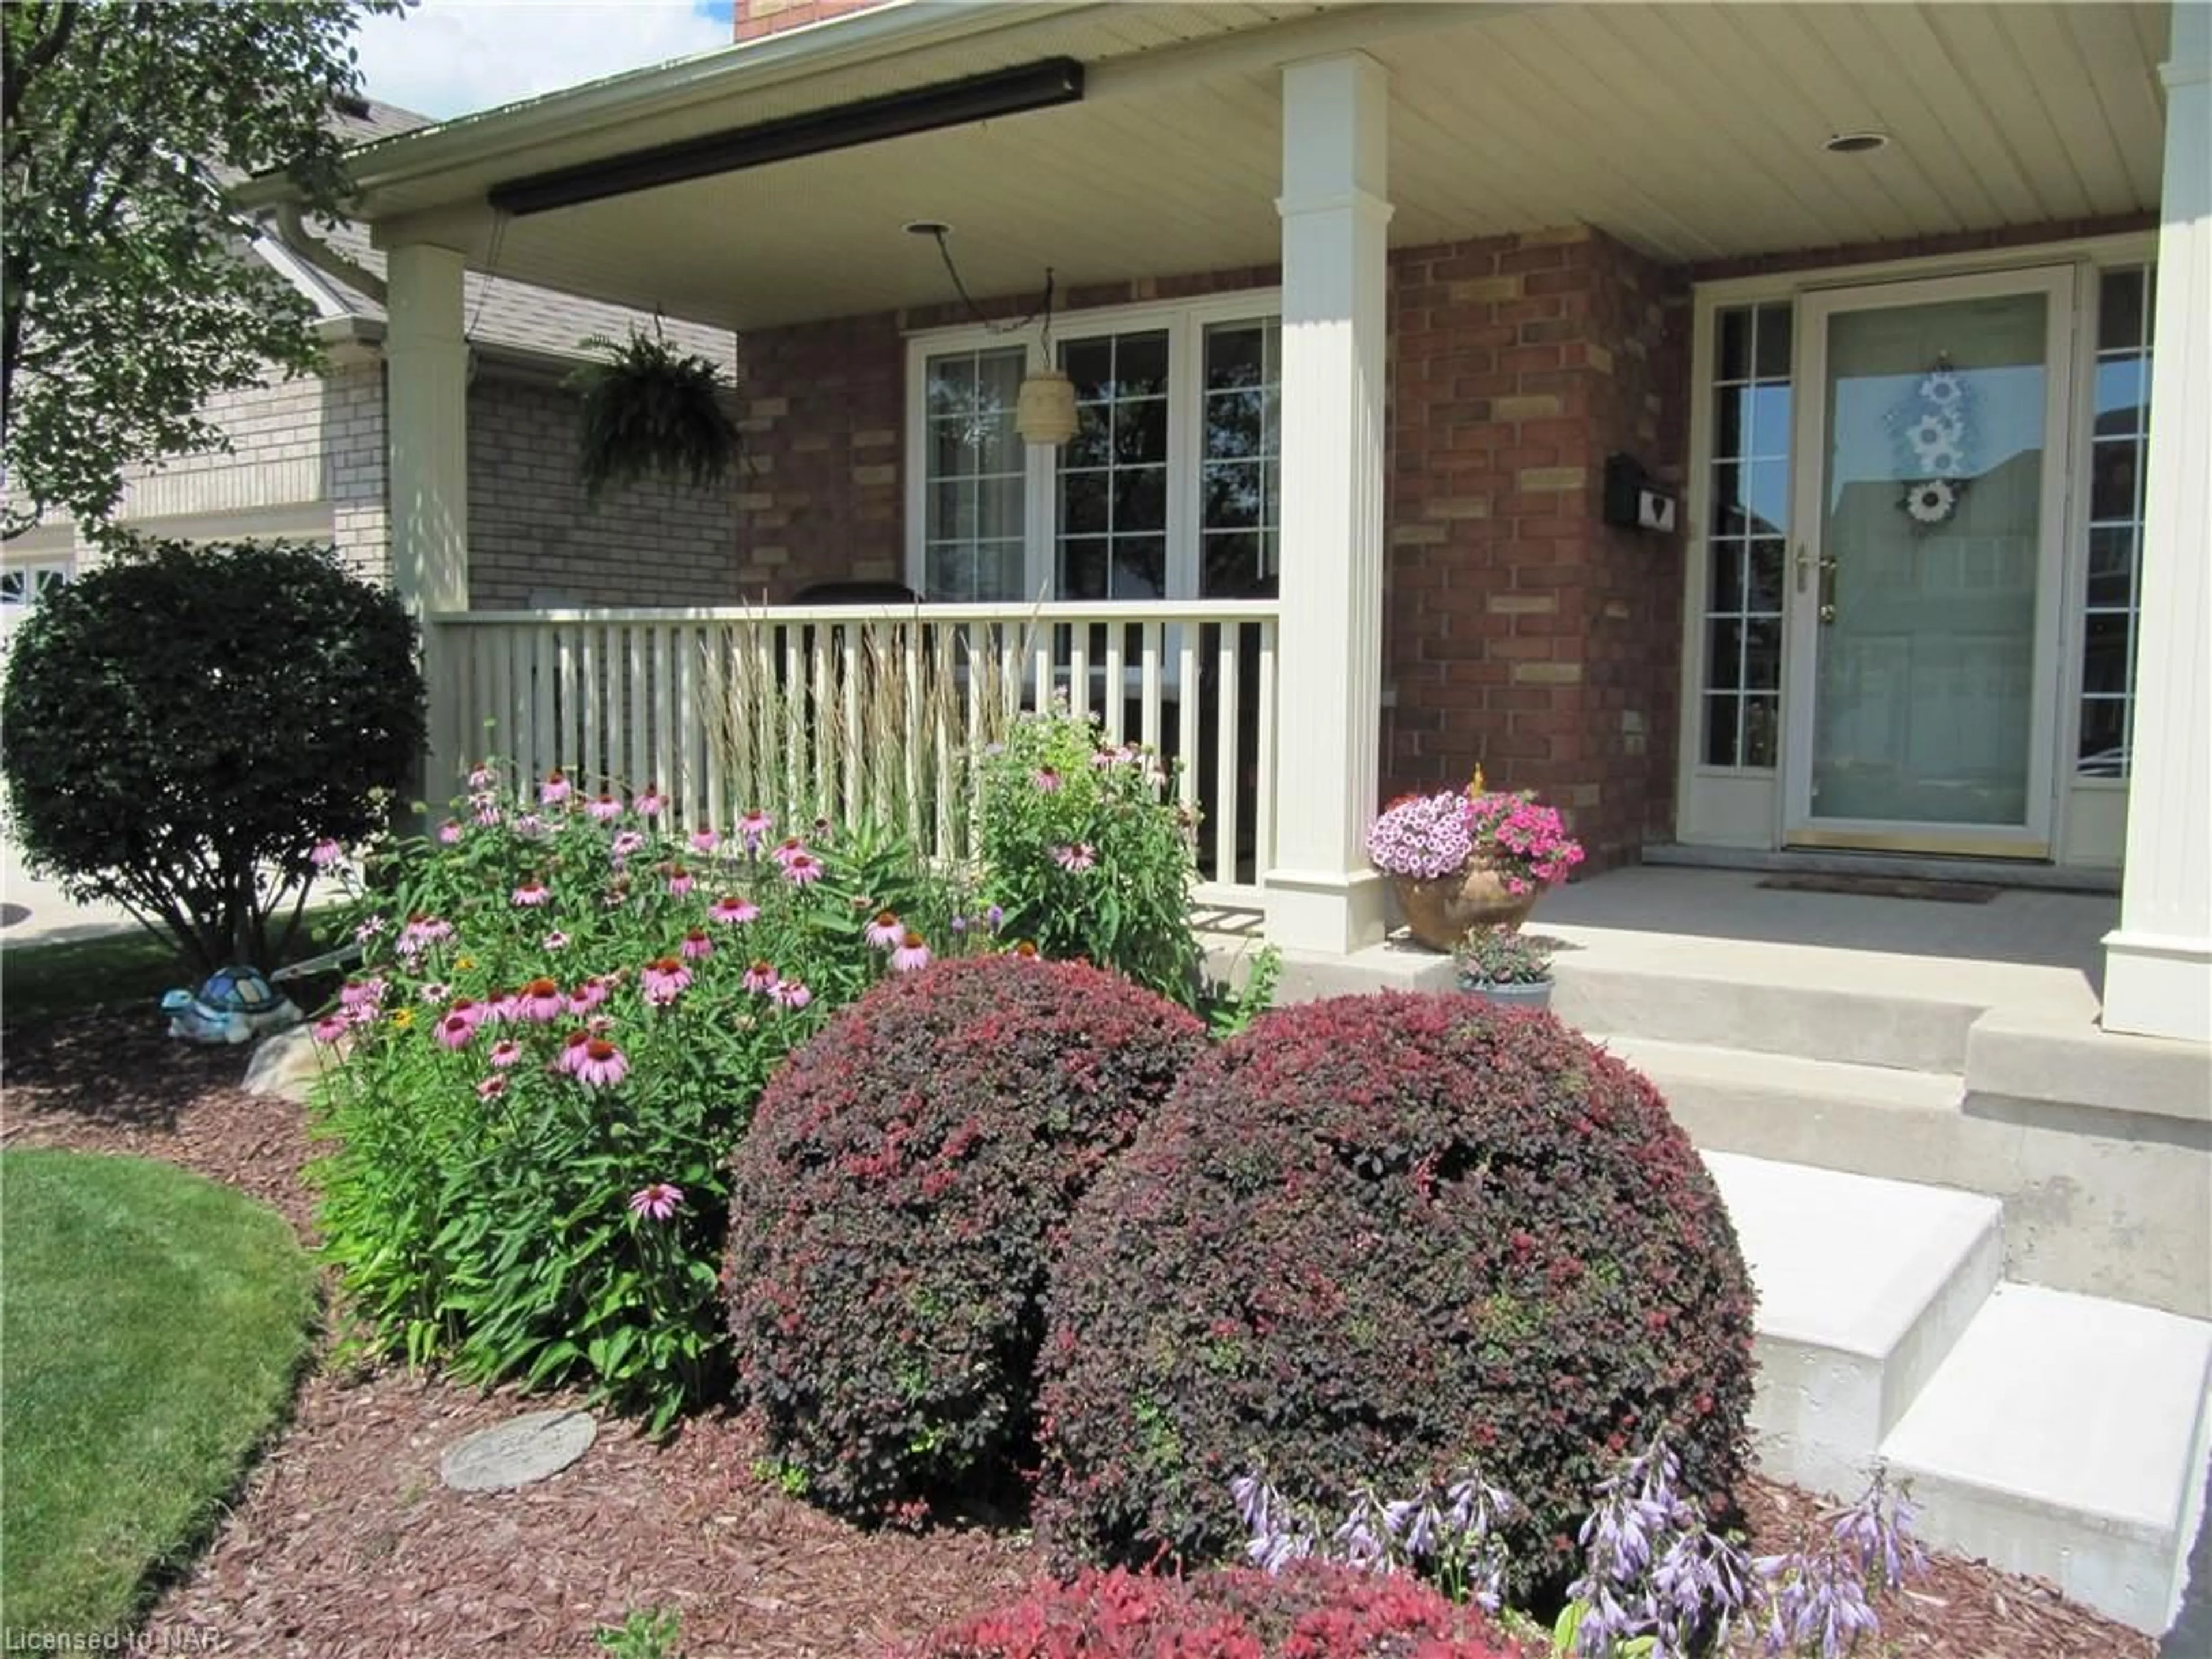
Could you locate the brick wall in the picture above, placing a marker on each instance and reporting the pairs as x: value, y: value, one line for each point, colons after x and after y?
x: 819, y: 498
x: 1522, y: 634
x: 532, y: 539
x: 354, y: 467
x: 757, y: 17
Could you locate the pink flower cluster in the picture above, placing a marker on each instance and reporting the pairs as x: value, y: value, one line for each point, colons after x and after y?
x: 1528, y: 843
x: 1423, y: 837
x: 1428, y: 837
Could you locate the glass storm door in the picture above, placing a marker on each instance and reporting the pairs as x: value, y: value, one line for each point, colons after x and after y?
x: 1931, y: 491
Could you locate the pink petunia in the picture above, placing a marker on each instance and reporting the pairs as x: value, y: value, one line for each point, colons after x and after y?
x: 679, y: 881
x: 730, y: 909
x: 491, y: 1088
x: 761, y: 976
x: 650, y: 802
x: 531, y: 892
x: 912, y: 955
x: 324, y: 854
x: 705, y: 841
x: 454, y: 1030
x: 602, y: 1065
x: 803, y: 869
x: 555, y: 788
x: 661, y: 981
x: 540, y: 1000
x: 505, y: 1053
x: 696, y: 945
x: 657, y: 1202
x: 1078, y: 858
x: 791, y: 994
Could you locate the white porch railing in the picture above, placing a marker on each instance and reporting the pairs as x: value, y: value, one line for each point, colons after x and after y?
x: 838, y: 711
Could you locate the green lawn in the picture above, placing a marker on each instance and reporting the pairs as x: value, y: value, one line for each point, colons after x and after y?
x: 153, y: 1326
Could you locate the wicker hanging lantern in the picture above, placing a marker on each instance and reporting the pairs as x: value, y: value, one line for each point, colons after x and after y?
x: 1045, y: 411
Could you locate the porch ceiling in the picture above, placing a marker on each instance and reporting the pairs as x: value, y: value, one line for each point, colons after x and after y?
x: 1692, y: 133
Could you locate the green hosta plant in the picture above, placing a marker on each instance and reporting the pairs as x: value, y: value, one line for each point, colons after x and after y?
x: 1083, y: 847
x: 565, y: 1014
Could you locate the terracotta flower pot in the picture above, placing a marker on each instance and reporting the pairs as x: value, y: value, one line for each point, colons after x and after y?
x: 1438, y: 912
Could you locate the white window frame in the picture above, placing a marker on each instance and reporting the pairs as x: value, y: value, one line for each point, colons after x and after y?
x: 1185, y: 323
x: 1758, y: 791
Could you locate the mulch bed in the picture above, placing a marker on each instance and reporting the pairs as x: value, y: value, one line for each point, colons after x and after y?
x: 344, y: 1542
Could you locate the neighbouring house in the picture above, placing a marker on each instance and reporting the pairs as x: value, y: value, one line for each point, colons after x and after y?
x: 1776, y: 434
x: 309, y: 455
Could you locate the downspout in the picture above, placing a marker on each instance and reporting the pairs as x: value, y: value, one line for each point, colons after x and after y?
x: 292, y: 231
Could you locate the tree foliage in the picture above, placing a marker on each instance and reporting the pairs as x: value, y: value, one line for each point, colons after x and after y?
x: 124, y: 303
x: 186, y: 723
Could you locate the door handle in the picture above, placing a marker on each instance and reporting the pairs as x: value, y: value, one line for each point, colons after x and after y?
x: 1828, y: 589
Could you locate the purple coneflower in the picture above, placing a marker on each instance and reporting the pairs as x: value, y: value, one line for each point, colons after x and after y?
x: 533, y: 891
x: 487, y: 815
x: 449, y: 833
x: 436, y: 990
x: 529, y: 824
x: 650, y: 801
x: 454, y: 1030
x: 730, y: 909
x: 1046, y: 781
x: 572, y: 1052
x: 587, y: 996
x: 324, y: 854
x: 555, y: 788
x: 787, y: 849
x: 792, y: 994
x: 885, y: 932
x: 679, y: 881
x: 662, y: 979
x: 761, y: 976
x: 369, y: 929
x: 911, y: 956
x: 556, y: 941
x: 483, y: 775
x: 491, y: 1088
x: 505, y: 1053
x: 803, y: 869
x: 424, y: 930
x: 696, y: 945
x: 626, y: 843
x: 756, y: 827
x: 502, y: 1005
x: 605, y: 808
x: 361, y: 993
x: 470, y: 1010
x: 1078, y: 858
x: 657, y: 1202
x: 705, y: 841
x: 602, y: 1065
x: 329, y: 1029
x: 540, y: 1000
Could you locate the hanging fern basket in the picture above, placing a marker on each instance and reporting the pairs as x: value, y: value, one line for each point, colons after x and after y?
x: 649, y: 411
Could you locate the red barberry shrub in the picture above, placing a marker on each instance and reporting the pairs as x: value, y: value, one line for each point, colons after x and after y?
x: 1310, y: 1611
x: 906, y: 1180
x: 1374, y: 1241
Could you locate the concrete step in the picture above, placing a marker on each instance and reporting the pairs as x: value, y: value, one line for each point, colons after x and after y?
x: 2066, y: 1437
x: 1863, y: 1287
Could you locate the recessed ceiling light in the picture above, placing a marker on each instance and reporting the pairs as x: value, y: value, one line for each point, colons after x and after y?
x: 927, y: 228
x: 1856, y: 143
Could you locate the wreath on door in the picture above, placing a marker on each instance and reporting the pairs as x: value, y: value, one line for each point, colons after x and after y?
x: 1936, y: 430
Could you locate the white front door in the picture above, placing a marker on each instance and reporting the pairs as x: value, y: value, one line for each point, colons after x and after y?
x: 1925, y: 551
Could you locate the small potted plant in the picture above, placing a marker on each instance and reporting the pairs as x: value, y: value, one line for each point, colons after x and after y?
x: 1470, y: 857
x: 1503, y: 966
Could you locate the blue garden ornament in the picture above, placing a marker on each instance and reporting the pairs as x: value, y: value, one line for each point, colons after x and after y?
x: 236, y: 1004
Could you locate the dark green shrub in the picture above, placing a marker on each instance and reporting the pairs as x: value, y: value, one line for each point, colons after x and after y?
x: 898, y: 1204
x: 1374, y: 1240
x: 1308, y: 1612
x: 186, y: 725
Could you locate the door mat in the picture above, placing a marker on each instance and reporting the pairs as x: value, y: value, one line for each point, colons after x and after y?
x: 1903, y: 887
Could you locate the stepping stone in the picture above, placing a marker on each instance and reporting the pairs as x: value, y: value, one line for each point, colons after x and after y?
x: 516, y: 1453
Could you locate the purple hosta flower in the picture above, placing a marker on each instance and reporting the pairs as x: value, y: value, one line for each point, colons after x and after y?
x: 1876, y: 1534
x: 696, y: 945
x: 993, y: 917
x: 730, y: 909
x: 885, y: 932
x: 912, y: 955
x: 760, y: 977
x: 541, y: 1001
x: 625, y: 843
x: 531, y: 892
x: 960, y: 924
x: 679, y: 881
x: 604, y: 808
x: 755, y: 827
x: 650, y: 802
x: 803, y: 869
x: 332, y: 1027
x: 791, y: 994
x: 1423, y: 837
x: 370, y: 927
x: 705, y: 841
x: 1277, y: 1534
x: 449, y: 833
x: 602, y: 1065
x: 590, y: 995
x: 657, y: 1202
x: 422, y: 931
x: 1819, y: 1606
x: 1047, y: 780
x: 324, y: 852
x: 505, y: 1053
x: 1076, y: 859
x: 454, y: 1030
x: 1362, y: 1539
x: 663, y: 980
x: 556, y: 941
x: 556, y: 789
x: 491, y: 1088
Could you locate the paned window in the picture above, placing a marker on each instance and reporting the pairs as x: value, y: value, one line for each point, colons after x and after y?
x: 1745, y: 544
x: 1240, y: 502
x: 1113, y: 519
x: 2118, y: 448
x: 973, y: 485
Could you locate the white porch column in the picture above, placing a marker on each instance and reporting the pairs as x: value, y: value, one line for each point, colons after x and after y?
x: 1322, y: 894
x: 2158, y: 967
x: 426, y: 421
